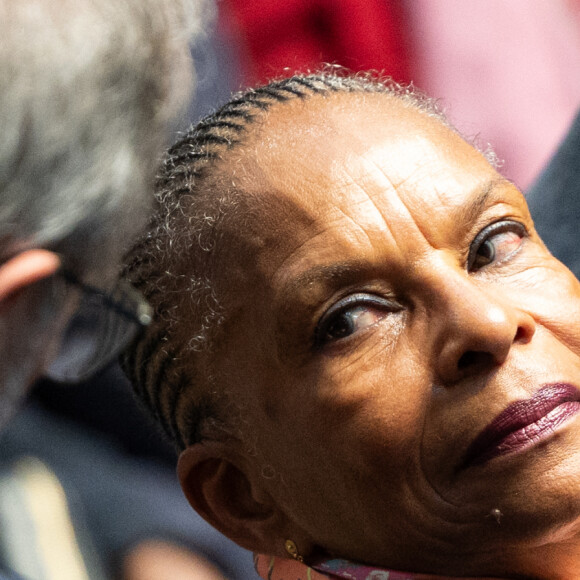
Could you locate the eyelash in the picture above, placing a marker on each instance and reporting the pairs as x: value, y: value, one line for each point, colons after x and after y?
x: 485, y: 235
x: 348, y: 304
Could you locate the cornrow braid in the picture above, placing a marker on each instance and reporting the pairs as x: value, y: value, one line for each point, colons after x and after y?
x: 173, y: 264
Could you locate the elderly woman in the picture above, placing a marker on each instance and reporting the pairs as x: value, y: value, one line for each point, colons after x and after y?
x: 367, y: 357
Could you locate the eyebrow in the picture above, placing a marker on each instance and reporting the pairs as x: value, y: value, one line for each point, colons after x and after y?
x: 480, y: 198
x: 329, y: 276
x: 338, y: 274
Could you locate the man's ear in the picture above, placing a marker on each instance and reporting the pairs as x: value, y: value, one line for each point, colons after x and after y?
x: 24, y: 270
x: 217, y: 487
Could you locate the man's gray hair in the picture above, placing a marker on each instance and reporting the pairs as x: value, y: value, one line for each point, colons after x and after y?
x: 87, y: 89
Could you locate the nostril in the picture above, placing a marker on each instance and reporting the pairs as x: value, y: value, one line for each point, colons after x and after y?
x: 467, y: 359
x: 474, y: 358
x: 523, y: 334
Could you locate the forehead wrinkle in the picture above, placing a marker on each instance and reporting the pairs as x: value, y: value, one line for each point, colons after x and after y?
x: 367, y: 224
x: 282, y: 270
x: 357, y: 226
x: 334, y: 218
x: 352, y: 185
x: 387, y: 187
x: 476, y: 198
x: 338, y: 271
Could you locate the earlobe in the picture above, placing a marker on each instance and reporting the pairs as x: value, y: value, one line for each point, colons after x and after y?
x: 218, y: 488
x: 25, y: 269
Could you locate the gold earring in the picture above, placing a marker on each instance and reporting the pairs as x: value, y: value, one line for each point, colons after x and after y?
x: 293, y: 550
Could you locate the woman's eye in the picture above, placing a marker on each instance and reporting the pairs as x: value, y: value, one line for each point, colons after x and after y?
x: 495, y: 243
x: 350, y: 316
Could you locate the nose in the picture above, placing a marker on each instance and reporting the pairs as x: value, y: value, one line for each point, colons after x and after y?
x: 475, y: 327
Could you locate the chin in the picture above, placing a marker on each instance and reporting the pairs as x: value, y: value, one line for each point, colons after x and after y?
x: 532, y: 499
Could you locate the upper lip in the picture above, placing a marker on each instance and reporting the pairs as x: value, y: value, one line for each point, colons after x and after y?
x: 515, y: 416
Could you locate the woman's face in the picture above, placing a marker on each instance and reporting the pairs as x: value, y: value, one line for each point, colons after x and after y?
x: 404, y: 348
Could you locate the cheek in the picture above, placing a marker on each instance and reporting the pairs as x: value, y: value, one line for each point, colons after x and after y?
x: 365, y: 414
x: 553, y: 298
x: 349, y: 454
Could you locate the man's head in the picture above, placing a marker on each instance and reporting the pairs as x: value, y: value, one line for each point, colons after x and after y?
x: 88, y: 88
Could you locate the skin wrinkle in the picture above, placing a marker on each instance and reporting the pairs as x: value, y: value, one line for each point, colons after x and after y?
x: 299, y: 247
x: 471, y: 210
x: 439, y: 533
x: 308, y: 277
x: 305, y: 277
x: 358, y: 227
x: 351, y: 363
x: 260, y: 122
x: 436, y: 531
x: 392, y: 186
x: 369, y: 199
x: 395, y: 189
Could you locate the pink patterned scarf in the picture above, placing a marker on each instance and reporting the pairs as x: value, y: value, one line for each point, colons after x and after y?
x: 273, y: 568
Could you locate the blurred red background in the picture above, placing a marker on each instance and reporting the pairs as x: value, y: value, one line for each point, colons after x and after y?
x: 504, y: 71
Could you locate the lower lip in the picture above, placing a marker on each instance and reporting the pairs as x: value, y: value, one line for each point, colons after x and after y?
x: 533, y: 433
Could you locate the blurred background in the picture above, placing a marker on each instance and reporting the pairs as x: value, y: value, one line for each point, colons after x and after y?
x: 505, y: 72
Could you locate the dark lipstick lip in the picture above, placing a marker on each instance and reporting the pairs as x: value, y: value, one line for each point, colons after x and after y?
x: 504, y: 434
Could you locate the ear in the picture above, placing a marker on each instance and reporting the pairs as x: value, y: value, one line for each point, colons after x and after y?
x: 217, y: 486
x: 24, y: 270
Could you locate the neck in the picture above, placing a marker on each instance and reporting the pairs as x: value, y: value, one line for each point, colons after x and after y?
x: 554, y: 561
